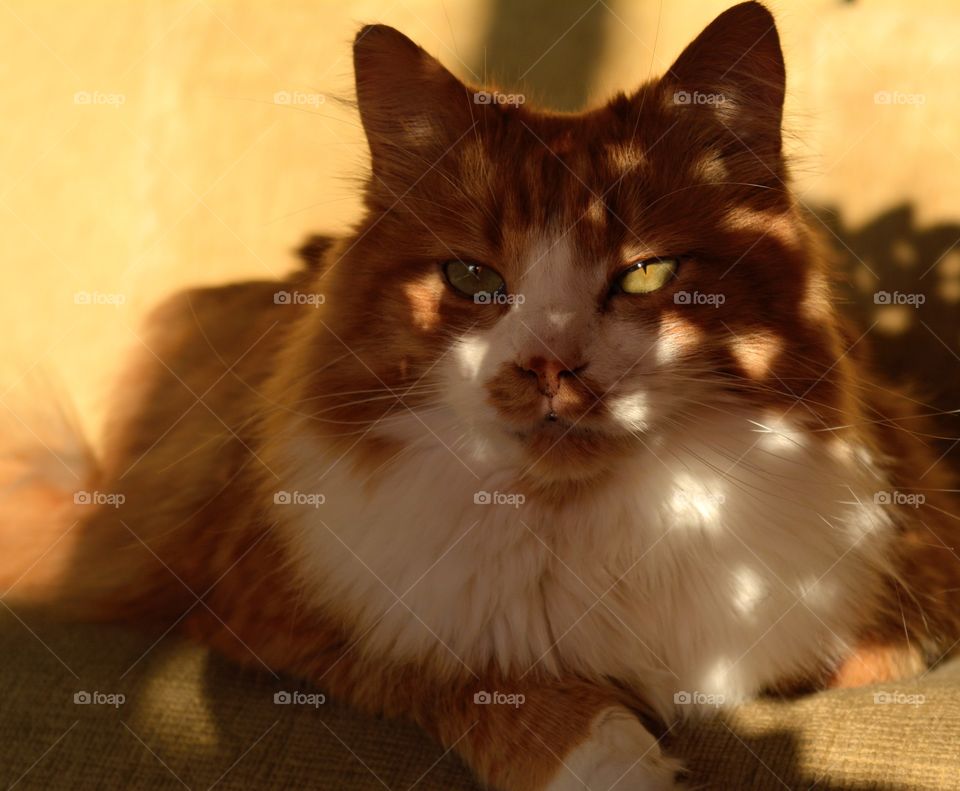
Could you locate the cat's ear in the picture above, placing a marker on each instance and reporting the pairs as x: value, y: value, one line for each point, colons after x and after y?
x: 734, y: 70
x: 413, y: 110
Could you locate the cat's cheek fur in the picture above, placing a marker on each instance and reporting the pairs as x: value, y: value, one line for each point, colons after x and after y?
x: 619, y: 753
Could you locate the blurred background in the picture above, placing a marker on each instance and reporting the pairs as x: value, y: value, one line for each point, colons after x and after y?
x: 150, y: 146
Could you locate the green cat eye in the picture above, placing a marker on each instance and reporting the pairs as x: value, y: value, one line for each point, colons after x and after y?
x: 647, y: 276
x: 473, y: 280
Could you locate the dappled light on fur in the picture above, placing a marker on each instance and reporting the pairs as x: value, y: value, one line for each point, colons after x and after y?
x: 695, y: 502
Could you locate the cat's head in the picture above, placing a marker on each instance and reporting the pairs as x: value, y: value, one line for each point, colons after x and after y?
x: 563, y: 286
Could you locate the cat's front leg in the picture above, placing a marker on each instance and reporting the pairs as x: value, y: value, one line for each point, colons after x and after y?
x: 535, y: 733
x: 552, y: 736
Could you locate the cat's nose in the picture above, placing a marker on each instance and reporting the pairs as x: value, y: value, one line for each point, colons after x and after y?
x: 550, y: 373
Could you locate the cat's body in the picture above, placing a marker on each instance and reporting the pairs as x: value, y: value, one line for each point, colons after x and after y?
x: 409, y: 499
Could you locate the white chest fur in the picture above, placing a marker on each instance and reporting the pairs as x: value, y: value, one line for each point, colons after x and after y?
x: 721, y: 560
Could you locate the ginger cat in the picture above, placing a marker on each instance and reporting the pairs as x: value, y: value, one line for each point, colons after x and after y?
x: 566, y: 440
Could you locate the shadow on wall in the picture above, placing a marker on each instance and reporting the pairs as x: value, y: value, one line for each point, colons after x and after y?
x: 904, y: 281
x: 549, y: 50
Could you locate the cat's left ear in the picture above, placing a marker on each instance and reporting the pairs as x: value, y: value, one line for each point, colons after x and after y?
x: 734, y: 71
x: 414, y: 111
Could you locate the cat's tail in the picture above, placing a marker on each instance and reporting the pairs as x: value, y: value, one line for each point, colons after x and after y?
x: 46, y: 469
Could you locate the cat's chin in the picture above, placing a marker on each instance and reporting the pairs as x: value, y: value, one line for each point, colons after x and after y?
x: 562, y: 452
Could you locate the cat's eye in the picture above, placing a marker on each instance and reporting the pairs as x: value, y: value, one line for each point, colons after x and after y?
x: 473, y: 280
x: 646, y: 276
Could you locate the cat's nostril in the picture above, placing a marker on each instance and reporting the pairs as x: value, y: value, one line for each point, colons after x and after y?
x: 572, y: 373
x: 550, y: 373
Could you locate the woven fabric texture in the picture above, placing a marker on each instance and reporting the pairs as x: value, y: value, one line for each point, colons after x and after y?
x: 189, y: 719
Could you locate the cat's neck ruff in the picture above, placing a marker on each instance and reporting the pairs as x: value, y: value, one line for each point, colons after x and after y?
x: 727, y: 555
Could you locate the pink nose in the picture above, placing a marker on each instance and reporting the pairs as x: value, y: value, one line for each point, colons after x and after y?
x: 550, y: 374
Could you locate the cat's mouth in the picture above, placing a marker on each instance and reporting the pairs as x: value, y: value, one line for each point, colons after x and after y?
x: 566, y: 433
x: 559, y: 449
x: 553, y: 426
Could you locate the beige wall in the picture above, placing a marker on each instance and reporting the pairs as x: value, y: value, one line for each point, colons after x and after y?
x: 198, y: 176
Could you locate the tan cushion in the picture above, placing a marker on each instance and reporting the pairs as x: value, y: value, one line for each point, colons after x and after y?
x: 902, y: 737
x: 191, y: 719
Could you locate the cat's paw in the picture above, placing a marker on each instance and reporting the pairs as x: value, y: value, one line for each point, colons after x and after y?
x: 878, y: 664
x: 620, y: 754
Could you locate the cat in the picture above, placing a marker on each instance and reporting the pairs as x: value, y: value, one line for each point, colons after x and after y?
x: 565, y: 441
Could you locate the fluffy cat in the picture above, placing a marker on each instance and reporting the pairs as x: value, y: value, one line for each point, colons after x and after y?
x: 574, y: 444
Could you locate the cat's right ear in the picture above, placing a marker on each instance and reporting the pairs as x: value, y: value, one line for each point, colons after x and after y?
x: 413, y: 110
x: 733, y: 73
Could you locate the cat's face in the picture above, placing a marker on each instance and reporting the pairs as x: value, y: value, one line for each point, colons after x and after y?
x: 566, y: 285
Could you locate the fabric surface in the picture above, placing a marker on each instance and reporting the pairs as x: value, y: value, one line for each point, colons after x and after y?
x: 189, y: 719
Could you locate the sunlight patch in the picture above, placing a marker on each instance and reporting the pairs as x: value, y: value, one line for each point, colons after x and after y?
x: 471, y: 352
x: 749, y: 590
x: 676, y: 337
x: 693, y: 501
x: 756, y: 352
x: 419, y: 131
x: 631, y: 410
x: 778, y: 436
x: 625, y: 158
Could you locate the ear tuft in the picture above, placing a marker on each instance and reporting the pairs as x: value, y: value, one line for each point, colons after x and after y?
x: 382, y: 39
